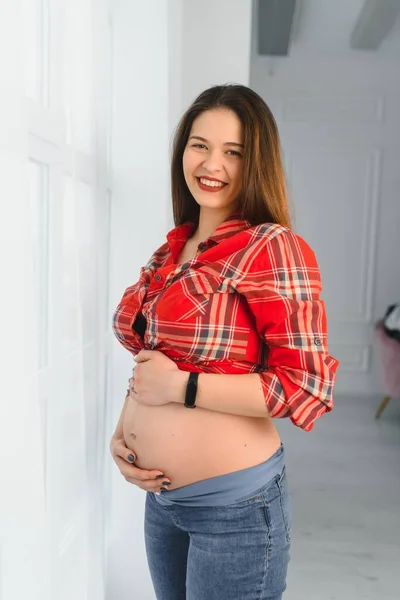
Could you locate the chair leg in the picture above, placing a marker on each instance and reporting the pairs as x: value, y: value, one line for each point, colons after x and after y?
x: 382, y: 406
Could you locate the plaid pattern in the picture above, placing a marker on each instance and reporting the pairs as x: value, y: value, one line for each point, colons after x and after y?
x: 248, y: 303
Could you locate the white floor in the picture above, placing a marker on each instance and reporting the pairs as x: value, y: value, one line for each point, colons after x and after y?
x: 344, y: 478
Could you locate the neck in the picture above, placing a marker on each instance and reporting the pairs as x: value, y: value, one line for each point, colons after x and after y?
x: 209, y: 221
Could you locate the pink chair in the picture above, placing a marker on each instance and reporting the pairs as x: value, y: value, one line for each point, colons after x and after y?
x: 389, y: 359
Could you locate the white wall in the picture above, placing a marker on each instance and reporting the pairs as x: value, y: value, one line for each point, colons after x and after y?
x: 164, y: 54
x: 175, y: 64
x: 140, y: 133
x: 216, y: 43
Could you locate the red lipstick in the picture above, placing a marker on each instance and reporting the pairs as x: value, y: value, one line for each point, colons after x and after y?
x: 209, y: 188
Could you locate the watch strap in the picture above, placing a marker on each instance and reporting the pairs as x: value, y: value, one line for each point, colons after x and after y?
x: 191, y: 390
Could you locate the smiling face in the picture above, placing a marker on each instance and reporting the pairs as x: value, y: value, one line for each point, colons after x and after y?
x: 212, y: 160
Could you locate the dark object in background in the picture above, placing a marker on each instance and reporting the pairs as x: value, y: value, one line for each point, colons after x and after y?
x: 391, y: 321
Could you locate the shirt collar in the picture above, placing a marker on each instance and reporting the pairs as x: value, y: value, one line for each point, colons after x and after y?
x: 232, y: 225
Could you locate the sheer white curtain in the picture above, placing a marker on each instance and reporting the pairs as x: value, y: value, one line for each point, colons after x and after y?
x: 54, y: 224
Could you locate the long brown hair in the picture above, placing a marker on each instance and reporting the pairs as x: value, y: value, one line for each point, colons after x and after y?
x: 263, y: 198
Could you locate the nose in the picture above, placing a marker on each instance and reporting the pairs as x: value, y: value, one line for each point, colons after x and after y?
x: 213, y: 162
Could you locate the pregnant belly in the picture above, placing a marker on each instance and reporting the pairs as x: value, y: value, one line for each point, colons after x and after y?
x: 192, y: 445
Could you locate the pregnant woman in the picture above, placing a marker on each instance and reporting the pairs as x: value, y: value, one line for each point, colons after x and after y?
x: 228, y: 332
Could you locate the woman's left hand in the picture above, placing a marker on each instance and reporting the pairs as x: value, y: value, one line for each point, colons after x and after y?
x: 157, y: 380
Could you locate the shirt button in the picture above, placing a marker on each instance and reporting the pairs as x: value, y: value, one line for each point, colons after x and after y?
x: 158, y: 278
x: 318, y: 342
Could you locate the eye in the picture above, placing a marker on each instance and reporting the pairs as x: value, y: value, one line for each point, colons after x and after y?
x: 234, y: 153
x: 198, y: 146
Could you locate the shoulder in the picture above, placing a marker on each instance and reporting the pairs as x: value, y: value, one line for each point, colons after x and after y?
x: 273, y: 243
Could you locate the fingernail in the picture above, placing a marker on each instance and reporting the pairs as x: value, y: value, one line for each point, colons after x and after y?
x: 166, y: 483
x: 131, y: 458
x: 159, y: 476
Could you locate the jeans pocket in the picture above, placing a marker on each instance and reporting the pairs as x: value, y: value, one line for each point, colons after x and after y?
x: 285, y: 504
x: 258, y: 496
x: 252, y: 499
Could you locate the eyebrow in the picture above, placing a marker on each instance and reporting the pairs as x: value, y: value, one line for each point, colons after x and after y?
x: 197, y: 137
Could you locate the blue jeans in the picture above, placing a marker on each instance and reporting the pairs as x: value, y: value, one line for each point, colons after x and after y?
x: 234, y: 552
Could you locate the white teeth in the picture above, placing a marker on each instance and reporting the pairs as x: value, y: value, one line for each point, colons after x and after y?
x: 211, y: 183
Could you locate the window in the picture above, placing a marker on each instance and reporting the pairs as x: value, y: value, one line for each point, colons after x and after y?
x: 39, y: 206
x: 67, y: 82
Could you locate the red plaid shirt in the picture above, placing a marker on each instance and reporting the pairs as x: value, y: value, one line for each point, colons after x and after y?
x: 248, y: 303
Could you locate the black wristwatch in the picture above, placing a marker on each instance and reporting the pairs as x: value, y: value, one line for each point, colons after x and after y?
x: 191, y: 390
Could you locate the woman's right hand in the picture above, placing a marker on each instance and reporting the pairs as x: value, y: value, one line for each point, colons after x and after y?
x: 150, y: 481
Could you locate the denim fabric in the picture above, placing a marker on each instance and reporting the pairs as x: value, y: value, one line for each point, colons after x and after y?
x: 235, y: 552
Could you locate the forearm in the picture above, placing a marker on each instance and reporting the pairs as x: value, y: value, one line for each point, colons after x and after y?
x: 233, y: 394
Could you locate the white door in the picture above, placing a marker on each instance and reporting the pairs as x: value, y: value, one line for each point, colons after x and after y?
x: 54, y: 59
x: 339, y: 125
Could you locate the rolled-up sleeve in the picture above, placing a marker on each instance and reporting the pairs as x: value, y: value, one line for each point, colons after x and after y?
x: 282, y: 289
